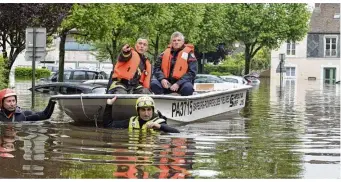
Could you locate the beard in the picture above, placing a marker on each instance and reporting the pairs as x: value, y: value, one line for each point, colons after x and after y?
x: 11, y: 109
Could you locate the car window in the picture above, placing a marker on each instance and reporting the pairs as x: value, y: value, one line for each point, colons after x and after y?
x: 69, y: 90
x: 103, y: 75
x: 91, y: 75
x: 67, y: 75
x: 232, y: 80
x: 79, y: 75
x: 200, y: 80
x: 214, y: 80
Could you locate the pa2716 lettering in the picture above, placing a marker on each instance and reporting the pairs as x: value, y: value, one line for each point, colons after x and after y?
x: 182, y: 108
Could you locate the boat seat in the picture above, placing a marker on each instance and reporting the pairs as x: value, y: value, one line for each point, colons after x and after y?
x: 204, y: 87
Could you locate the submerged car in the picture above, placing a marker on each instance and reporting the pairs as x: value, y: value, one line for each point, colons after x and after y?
x: 235, y: 79
x: 78, y: 75
x: 207, y: 78
x: 69, y: 88
x: 207, y: 82
x: 252, y: 79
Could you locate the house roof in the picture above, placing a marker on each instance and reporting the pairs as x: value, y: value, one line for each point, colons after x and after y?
x: 322, y: 19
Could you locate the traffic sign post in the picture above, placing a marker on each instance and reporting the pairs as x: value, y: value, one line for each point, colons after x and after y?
x: 35, y: 51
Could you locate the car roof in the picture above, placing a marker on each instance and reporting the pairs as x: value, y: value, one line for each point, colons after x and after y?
x: 82, y: 70
x: 232, y: 76
x: 70, y: 84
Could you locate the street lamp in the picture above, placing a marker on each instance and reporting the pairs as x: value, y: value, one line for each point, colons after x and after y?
x: 281, y: 63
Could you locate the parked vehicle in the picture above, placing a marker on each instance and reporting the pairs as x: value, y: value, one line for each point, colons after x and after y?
x: 207, y: 83
x: 69, y: 88
x: 252, y: 79
x: 78, y: 75
x: 235, y: 79
x: 98, y: 82
x: 206, y: 78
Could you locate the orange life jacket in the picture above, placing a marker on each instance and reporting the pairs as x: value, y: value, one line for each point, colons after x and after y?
x: 127, y: 70
x: 181, y: 65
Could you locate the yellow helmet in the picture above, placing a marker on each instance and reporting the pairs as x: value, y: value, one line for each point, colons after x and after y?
x: 145, y: 101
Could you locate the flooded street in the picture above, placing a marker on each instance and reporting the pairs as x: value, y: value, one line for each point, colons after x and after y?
x: 293, y: 133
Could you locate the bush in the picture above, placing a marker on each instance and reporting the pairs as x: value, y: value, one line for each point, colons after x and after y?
x: 231, y: 65
x: 220, y: 74
x: 26, y: 73
x: 223, y: 69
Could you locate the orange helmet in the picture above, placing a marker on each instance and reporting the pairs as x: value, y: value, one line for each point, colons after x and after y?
x: 4, y: 93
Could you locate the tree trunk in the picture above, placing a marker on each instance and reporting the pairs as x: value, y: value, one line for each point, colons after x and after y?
x: 247, y: 59
x: 62, y: 55
x: 6, y: 69
x: 112, y: 56
x: 156, y: 53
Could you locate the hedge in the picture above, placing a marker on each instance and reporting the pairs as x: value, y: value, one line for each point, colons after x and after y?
x: 222, y: 69
x: 26, y: 73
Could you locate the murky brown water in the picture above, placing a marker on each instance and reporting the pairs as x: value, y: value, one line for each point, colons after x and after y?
x: 290, y: 134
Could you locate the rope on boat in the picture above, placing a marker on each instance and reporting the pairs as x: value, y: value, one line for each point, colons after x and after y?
x: 95, y: 116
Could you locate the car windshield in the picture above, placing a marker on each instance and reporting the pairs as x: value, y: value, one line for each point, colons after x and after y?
x: 208, y: 79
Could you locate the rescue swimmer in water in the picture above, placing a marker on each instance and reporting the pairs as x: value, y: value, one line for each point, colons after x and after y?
x: 147, y: 117
x: 9, y: 110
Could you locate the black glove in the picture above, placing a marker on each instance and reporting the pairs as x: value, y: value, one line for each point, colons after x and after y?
x: 161, y: 116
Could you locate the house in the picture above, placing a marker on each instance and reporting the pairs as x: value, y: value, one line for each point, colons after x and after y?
x: 317, y: 56
x: 314, y: 61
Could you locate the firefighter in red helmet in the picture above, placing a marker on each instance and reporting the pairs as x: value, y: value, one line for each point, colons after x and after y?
x: 9, y: 111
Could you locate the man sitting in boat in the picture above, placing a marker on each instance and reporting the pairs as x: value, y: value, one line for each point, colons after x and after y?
x: 175, y: 68
x: 9, y: 111
x: 132, y: 71
x: 146, y: 118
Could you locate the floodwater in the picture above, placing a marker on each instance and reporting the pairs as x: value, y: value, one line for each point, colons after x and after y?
x: 289, y: 133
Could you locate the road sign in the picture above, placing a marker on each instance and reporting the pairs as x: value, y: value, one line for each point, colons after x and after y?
x: 40, y: 44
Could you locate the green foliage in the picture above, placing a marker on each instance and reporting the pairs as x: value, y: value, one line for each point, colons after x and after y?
x: 2, y: 75
x: 231, y: 65
x: 219, y: 73
x: 265, y: 25
x: 109, y: 26
x: 26, y: 73
x: 211, y: 29
x: 262, y: 60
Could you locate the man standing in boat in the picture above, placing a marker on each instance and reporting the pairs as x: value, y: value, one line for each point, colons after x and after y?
x: 132, y: 71
x: 176, y: 68
x: 146, y: 119
x: 9, y: 111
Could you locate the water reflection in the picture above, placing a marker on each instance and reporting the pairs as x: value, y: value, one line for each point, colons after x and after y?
x: 293, y: 135
x: 122, y: 154
x: 7, y: 140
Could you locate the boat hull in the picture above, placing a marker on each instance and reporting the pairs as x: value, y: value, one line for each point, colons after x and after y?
x: 89, y: 108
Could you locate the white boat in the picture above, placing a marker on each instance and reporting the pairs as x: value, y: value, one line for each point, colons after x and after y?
x: 208, y: 102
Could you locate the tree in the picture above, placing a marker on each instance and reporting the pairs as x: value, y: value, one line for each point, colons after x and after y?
x: 265, y: 25
x: 211, y: 29
x: 15, y: 18
x: 107, y: 25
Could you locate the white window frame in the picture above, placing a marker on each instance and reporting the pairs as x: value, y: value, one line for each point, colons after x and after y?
x: 290, y: 76
x: 290, y: 50
x: 325, y: 45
